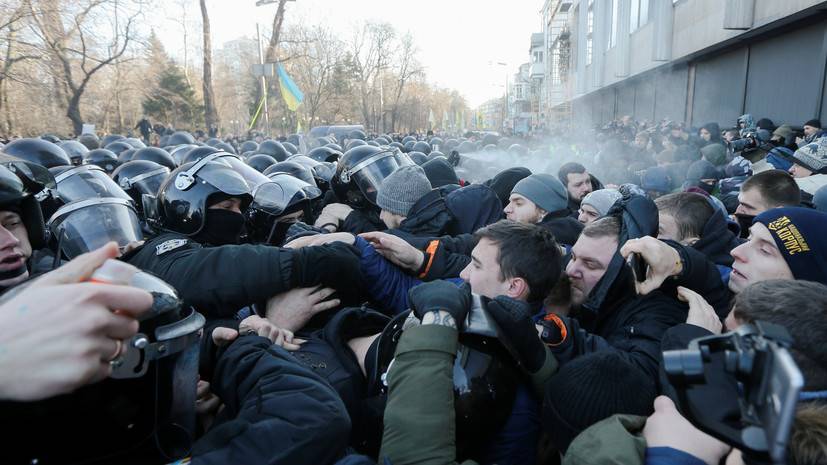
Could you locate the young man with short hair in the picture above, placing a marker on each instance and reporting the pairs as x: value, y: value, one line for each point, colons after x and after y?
x: 541, y: 199
x: 578, y: 182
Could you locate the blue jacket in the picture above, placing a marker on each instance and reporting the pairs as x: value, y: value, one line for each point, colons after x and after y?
x: 386, y: 283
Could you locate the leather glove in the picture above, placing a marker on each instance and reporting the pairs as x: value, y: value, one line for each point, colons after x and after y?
x: 519, y: 336
x: 441, y: 295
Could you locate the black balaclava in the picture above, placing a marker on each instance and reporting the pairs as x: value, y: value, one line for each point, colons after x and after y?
x: 744, y: 222
x: 221, y: 227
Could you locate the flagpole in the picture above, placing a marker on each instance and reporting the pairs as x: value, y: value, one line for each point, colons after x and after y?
x: 263, y: 81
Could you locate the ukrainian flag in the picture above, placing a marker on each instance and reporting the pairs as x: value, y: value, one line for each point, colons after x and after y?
x: 293, y: 97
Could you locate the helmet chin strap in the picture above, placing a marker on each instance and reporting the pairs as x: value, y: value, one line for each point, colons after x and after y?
x: 4, y: 275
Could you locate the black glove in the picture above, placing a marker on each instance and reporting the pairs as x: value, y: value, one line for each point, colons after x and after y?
x: 335, y: 265
x: 441, y: 295
x: 299, y: 229
x: 519, y: 333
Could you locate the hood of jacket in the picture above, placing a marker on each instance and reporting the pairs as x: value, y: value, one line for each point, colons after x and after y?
x: 566, y: 229
x: 429, y: 216
x: 617, y: 439
x: 473, y: 207
x: 638, y: 217
x: 717, y: 240
x: 715, y: 130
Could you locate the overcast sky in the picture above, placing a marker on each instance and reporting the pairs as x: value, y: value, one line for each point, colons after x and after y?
x: 460, y: 41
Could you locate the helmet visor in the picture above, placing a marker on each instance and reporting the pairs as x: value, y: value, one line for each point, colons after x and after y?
x: 370, y: 177
x: 283, y: 192
x: 217, y: 174
x: 253, y: 177
x: 150, y: 182
x: 87, y: 182
x: 84, y: 226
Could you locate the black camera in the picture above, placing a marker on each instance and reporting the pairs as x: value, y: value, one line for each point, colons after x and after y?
x: 747, y: 142
x: 754, y: 366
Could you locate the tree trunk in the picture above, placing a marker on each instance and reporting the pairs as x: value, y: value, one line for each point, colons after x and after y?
x: 272, y: 48
x: 211, y: 113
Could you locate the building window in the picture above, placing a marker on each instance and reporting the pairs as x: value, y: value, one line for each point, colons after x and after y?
x: 555, y: 65
x: 538, y: 57
x: 639, y: 16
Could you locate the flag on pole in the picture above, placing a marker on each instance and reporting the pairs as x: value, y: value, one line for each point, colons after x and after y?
x: 298, y: 125
x: 293, y: 97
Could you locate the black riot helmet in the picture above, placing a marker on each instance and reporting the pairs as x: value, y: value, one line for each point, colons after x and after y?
x: 323, y: 174
x: 180, y: 138
x: 126, y: 155
x: 253, y: 177
x: 119, y: 146
x: 271, y: 212
x: 20, y: 196
x: 86, y: 225
x: 418, y: 157
x: 180, y: 152
x: 421, y: 146
x: 139, y: 177
x: 325, y: 153
x: 357, y: 134
x: 407, y: 139
x: 51, y: 138
x: 76, y: 151
x: 37, y: 180
x: 182, y: 199
x: 295, y: 139
x: 109, y: 138
x: 290, y: 147
x: 155, y: 154
x: 274, y: 149
x: 103, y: 158
x: 212, y: 141
x: 87, y: 182
x: 248, y: 146
x: 135, y: 143
x: 354, y: 143
x: 260, y: 162
x: 198, y: 153
x: 225, y: 147
x: 436, y: 142
x: 334, y: 146
x: 409, y: 146
x: 91, y: 141
x: 518, y: 150
x: 295, y: 169
x: 144, y: 412
x: 485, y: 376
x: 360, y: 172
x: 37, y: 151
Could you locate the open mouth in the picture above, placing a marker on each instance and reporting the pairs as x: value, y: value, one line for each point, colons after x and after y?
x: 11, y: 260
x: 737, y: 274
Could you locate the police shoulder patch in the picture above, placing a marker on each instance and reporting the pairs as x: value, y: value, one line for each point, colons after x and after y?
x: 171, y: 244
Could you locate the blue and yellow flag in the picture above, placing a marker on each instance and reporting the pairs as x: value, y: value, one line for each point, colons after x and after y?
x: 293, y: 97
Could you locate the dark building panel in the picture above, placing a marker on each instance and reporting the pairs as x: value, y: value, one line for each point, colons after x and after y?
x: 625, y: 99
x: 719, y: 88
x: 670, y: 93
x: 782, y: 83
x: 645, y: 99
x: 607, y: 105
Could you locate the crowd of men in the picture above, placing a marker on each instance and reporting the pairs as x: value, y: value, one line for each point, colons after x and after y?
x: 404, y: 299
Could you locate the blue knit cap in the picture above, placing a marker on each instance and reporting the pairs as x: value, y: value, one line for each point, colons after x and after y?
x: 801, y: 236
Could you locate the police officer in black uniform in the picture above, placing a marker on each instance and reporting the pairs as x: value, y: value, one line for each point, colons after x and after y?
x: 199, y: 209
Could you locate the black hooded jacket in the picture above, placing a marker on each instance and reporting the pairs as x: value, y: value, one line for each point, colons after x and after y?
x: 503, y: 183
x: 615, y: 317
x: 428, y: 217
x: 717, y: 241
x: 566, y: 229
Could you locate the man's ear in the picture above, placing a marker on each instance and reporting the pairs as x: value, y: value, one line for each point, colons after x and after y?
x: 518, y: 289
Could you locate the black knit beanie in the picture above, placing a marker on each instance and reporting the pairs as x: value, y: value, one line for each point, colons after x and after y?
x: 591, y: 388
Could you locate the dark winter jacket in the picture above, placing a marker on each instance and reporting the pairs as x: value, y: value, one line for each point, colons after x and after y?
x: 473, y: 207
x: 276, y: 410
x: 218, y: 281
x: 428, y: 217
x: 440, y: 173
x: 716, y: 243
x: 360, y: 221
x: 566, y: 229
x: 503, y: 183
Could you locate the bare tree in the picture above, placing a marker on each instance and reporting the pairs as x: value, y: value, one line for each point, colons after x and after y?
x: 210, y: 111
x: 371, y: 47
x: 406, y: 68
x: 272, y: 47
x: 75, y: 48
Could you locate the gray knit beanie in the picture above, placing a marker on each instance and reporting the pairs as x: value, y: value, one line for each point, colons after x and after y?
x: 402, y: 189
x: 545, y: 190
x: 602, y: 200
